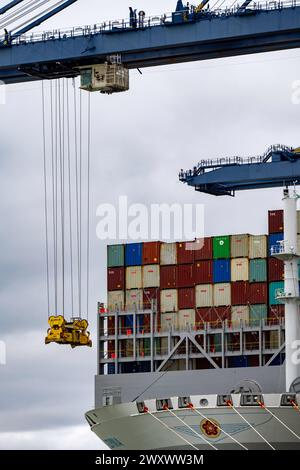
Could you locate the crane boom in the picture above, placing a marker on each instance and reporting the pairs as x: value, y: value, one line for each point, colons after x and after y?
x: 9, y: 6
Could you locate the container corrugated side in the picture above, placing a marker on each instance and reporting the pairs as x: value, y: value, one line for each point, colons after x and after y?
x: 185, y: 252
x: 169, y: 321
x: 115, y: 300
x: 186, y: 298
x: 151, y: 296
x: 151, y: 275
x: 258, y: 270
x: 134, y: 299
x: 185, y: 275
x: 203, y: 272
x: 203, y: 249
x: 240, y: 293
x: 258, y: 293
x: 186, y: 319
x: 204, y: 295
x: 239, y: 313
x: 221, y: 247
x: 168, y: 277
x: 275, y: 269
x: 133, y: 254
x: 221, y: 270
x: 275, y: 221
x: 222, y: 294
x: 115, y: 279
x: 239, y: 246
x: 151, y: 252
x: 239, y: 269
x: 115, y: 256
x: 168, y: 300
x: 134, y: 277
x: 258, y: 313
x: 258, y: 246
x: 273, y: 287
x: 168, y: 253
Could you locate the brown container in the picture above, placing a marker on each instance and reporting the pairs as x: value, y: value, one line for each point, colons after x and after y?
x: 213, y: 315
x: 111, y: 349
x: 111, y: 325
x: 186, y: 298
x: 276, y: 221
x: 275, y: 270
x: 149, y: 295
x: 151, y: 253
x: 240, y: 293
x: 258, y: 293
x: 203, y: 249
x: 276, y: 314
x: 115, y: 279
x: 203, y: 272
x: 185, y: 275
x: 168, y: 277
x: 185, y: 252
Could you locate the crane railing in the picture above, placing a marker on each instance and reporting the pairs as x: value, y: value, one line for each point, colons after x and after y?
x: 165, y: 19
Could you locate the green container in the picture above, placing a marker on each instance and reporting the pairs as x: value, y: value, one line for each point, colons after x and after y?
x: 221, y: 247
x: 258, y: 270
x: 258, y: 313
x: 115, y: 256
x: 273, y: 287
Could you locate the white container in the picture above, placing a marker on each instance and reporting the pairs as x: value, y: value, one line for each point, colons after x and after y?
x: 239, y: 246
x: 186, y: 319
x: 168, y: 253
x: 115, y: 300
x: 240, y: 269
x: 169, y: 300
x: 134, y: 300
x: 204, y: 295
x: 239, y: 313
x: 222, y: 294
x: 151, y: 276
x: 134, y: 277
x: 258, y: 246
x: 169, y: 321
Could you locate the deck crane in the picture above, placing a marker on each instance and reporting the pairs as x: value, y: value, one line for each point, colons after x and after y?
x: 278, y: 166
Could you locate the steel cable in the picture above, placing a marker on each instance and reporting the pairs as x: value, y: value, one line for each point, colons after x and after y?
x: 70, y: 196
x: 88, y: 206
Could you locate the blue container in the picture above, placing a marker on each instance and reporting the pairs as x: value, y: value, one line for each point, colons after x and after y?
x: 239, y: 361
x: 110, y: 369
x: 128, y: 322
x: 133, y: 254
x: 221, y: 270
x: 273, y: 240
x: 273, y: 286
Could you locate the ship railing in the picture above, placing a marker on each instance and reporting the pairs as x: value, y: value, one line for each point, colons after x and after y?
x: 283, y: 247
x: 146, y: 22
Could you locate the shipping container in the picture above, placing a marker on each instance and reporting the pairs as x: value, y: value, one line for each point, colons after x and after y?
x: 203, y: 249
x: 133, y: 254
x: 258, y: 270
x: 221, y: 247
x: 115, y: 300
x: 111, y: 354
x: 186, y: 319
x: 222, y: 294
x: 111, y: 325
x: 215, y: 342
x: 169, y: 300
x: 151, y: 297
x: 151, y: 252
x: 238, y: 361
x: 213, y: 315
x: 221, y: 270
x: 168, y: 277
x: 115, y: 279
x: 273, y: 288
x: 274, y: 340
x: 258, y: 293
x: 239, y: 313
x: 275, y: 269
x: 151, y: 275
x: 274, y: 241
x: 144, y: 323
x: 240, y: 293
x: 239, y: 246
x: 115, y: 256
x: 168, y: 253
x: 185, y: 275
x: 203, y: 272
x: 169, y: 321
x: 276, y: 221
x: 110, y: 369
x: 186, y: 298
x: 134, y: 277
x: 134, y: 299
x: 185, y: 252
x: 276, y: 313
x: 204, y: 295
x: 240, y: 269
x: 257, y: 314
x: 258, y: 246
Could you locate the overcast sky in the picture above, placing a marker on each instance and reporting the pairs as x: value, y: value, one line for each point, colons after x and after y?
x: 171, y: 118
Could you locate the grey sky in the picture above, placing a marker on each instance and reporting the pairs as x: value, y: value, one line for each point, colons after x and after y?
x: 171, y: 118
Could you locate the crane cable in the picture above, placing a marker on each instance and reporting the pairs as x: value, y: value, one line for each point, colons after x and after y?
x: 24, y: 11
x: 45, y: 199
x: 9, y: 18
x: 70, y: 197
x: 88, y: 207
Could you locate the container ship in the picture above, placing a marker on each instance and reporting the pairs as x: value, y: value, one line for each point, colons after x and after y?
x: 191, y: 348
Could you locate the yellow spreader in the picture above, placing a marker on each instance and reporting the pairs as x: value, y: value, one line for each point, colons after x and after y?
x: 73, y: 333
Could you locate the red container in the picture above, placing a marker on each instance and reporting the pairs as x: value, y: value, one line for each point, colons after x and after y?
x: 168, y: 277
x: 203, y: 248
x: 115, y: 279
x: 151, y: 253
x: 186, y: 298
x: 111, y: 349
x: 213, y: 315
x: 258, y: 293
x: 275, y: 269
x: 152, y: 293
x: 203, y: 272
x: 276, y: 221
x: 185, y: 275
x: 240, y: 293
x: 203, y: 315
x: 111, y: 325
x: 276, y: 313
x: 185, y: 252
